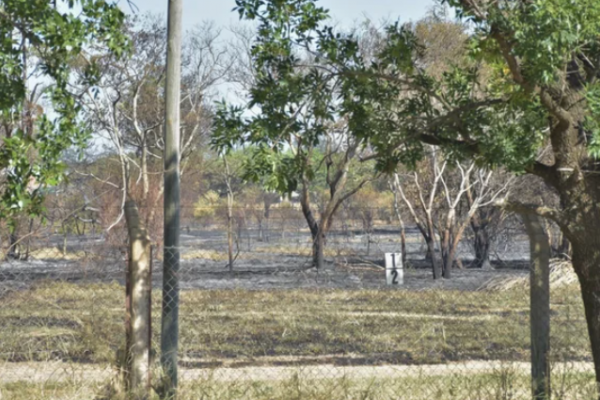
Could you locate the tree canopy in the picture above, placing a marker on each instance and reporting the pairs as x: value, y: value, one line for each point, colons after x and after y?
x: 41, y: 42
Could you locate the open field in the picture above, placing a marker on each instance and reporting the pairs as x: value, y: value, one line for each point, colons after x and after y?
x: 85, y: 323
x: 302, y: 343
x: 276, y: 329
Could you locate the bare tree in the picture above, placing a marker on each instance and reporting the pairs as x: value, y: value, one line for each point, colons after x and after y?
x: 127, y: 110
x: 444, y: 202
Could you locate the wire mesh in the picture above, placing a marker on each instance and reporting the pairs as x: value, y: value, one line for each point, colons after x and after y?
x: 258, y: 321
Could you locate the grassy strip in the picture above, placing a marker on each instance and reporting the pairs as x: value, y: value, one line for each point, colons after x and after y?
x: 85, y: 323
x: 504, y: 383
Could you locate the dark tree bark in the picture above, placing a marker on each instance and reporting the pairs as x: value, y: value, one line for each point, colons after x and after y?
x: 435, y: 266
x: 13, y: 246
x: 317, y: 232
x: 482, y: 245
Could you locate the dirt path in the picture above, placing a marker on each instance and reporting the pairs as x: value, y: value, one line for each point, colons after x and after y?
x: 64, y: 372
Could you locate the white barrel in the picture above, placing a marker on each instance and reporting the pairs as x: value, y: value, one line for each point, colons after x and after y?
x: 394, y: 273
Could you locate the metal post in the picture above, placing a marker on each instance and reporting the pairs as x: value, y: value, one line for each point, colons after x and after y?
x: 170, y: 304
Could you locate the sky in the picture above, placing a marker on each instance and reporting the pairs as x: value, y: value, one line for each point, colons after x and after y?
x: 343, y: 11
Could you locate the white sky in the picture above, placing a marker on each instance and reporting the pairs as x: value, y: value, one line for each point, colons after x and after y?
x: 343, y: 11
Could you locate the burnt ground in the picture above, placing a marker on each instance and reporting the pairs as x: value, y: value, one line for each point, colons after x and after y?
x: 354, y: 261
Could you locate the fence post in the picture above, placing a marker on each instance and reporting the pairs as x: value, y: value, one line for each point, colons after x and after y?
x: 169, y: 335
x: 539, y: 306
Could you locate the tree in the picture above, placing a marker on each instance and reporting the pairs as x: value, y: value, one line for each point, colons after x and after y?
x: 532, y: 79
x: 260, y: 202
x: 127, y: 110
x: 443, y: 199
x: 301, y: 129
x: 42, y: 39
x: 547, y: 57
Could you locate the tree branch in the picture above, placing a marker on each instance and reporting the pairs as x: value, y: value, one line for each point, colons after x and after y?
x: 542, y: 211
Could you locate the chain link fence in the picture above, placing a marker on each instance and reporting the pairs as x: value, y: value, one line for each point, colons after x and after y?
x: 258, y: 321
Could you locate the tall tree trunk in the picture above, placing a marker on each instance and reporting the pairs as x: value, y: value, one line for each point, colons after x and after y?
x: 140, y: 301
x: 402, y: 227
x: 586, y: 262
x: 169, y: 340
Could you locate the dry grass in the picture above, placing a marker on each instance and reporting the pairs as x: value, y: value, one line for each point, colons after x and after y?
x: 303, y: 250
x: 561, y: 274
x: 55, y: 254
x: 501, y: 384
x: 301, y: 329
x: 85, y: 323
x: 212, y: 255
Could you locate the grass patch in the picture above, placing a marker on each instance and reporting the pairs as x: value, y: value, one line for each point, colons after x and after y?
x: 86, y: 323
x: 502, y: 384
x: 55, y: 254
x: 212, y: 255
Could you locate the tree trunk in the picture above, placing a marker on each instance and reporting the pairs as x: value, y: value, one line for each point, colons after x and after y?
x: 13, y: 246
x: 230, y: 231
x: 481, y: 244
x: 140, y: 300
x: 316, y: 231
x: 435, y: 267
x: 403, y: 243
x: 580, y: 219
x: 447, y: 263
x: 447, y: 258
x: 267, y: 216
x: 318, y: 251
x: 564, y: 249
x: 586, y: 261
x: 144, y: 173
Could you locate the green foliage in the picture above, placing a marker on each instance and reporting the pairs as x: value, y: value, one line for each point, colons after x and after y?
x: 553, y: 40
x: 298, y: 104
x: 592, y: 123
x: 476, y: 108
x: 54, y: 39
